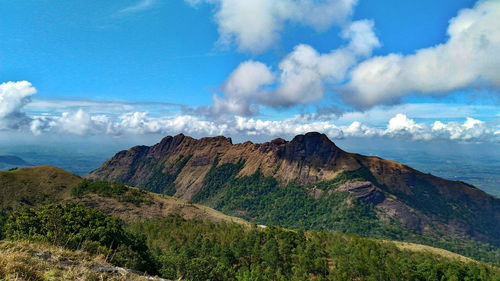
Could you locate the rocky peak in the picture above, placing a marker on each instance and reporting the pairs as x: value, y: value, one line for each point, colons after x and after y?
x: 313, y: 148
x: 167, y: 144
x: 215, y: 141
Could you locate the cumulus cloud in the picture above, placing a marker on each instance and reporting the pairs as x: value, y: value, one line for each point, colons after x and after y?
x: 469, y: 58
x: 401, y: 125
x: 471, y: 129
x: 304, y: 72
x: 244, y: 85
x: 301, y: 77
x: 13, y: 97
x: 255, y: 25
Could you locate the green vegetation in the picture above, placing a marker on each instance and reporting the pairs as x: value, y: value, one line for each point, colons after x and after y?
x: 77, y: 227
x: 3, y: 219
x: 202, y: 250
x: 363, y: 259
x: 116, y: 190
x: 197, y: 250
x: 163, y: 182
x: 262, y: 200
x: 217, y: 177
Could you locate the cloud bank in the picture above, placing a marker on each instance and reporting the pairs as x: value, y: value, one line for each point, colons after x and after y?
x: 398, y: 127
x: 15, y: 96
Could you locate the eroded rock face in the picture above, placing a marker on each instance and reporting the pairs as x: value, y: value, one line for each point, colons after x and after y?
x: 363, y: 191
x: 306, y: 159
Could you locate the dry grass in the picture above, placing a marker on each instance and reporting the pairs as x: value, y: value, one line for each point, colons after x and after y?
x: 160, y: 206
x: 423, y: 248
x: 35, y: 186
x: 36, y: 261
x: 40, y: 185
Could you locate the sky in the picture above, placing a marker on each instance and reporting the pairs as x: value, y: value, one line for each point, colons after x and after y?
x: 422, y: 71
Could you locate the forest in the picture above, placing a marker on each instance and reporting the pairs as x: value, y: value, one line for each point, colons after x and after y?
x: 200, y: 250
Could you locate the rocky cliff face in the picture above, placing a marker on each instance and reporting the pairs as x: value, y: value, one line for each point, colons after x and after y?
x: 421, y: 202
x: 306, y: 159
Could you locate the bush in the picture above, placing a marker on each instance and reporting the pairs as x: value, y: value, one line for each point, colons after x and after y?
x: 78, y: 227
x: 108, y: 189
x: 3, y: 218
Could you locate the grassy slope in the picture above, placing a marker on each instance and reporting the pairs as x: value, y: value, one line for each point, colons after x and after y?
x: 424, y: 248
x: 40, y: 185
x: 35, y: 185
x: 38, y: 261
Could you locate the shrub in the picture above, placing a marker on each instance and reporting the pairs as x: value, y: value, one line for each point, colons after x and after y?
x: 3, y: 218
x: 78, y: 227
x: 108, y: 189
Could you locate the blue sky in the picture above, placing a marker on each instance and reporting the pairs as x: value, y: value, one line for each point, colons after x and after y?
x: 418, y: 70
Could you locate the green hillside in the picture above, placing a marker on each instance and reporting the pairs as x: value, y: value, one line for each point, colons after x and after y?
x: 176, y: 248
x: 111, y: 224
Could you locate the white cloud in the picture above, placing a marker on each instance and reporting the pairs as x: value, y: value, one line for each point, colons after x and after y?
x: 361, y: 36
x: 255, y: 25
x: 471, y: 129
x: 139, y: 6
x: 288, y: 127
x: 13, y: 97
x: 242, y: 87
x: 303, y: 74
x: 469, y: 58
x: 401, y: 125
x: 140, y: 123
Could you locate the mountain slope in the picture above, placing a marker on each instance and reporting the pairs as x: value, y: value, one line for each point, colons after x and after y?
x: 35, y: 185
x: 40, y: 185
x: 246, y: 179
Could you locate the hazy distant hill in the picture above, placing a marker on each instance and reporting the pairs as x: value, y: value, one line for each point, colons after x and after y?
x: 309, y: 183
x: 12, y: 161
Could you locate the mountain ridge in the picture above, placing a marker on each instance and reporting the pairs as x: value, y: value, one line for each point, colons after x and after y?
x: 179, y: 166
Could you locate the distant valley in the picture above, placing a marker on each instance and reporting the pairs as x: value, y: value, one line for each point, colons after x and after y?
x: 12, y: 161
